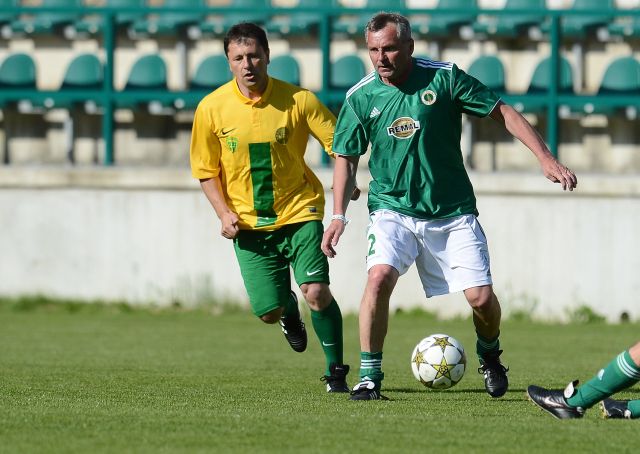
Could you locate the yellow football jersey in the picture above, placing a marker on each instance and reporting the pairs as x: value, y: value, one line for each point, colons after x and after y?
x: 257, y: 149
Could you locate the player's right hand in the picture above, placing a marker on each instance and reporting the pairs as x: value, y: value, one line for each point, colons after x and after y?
x: 230, y: 225
x: 331, y: 237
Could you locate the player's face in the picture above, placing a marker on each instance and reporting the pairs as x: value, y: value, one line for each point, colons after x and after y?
x: 248, y: 62
x: 391, y: 56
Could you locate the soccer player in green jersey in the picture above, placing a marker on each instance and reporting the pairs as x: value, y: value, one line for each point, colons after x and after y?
x: 619, y: 374
x: 421, y: 202
x: 248, y: 143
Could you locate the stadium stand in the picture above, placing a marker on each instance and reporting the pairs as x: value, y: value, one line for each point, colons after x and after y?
x: 149, y: 73
x: 18, y: 71
x: 515, y: 25
x: 285, y: 67
x: 254, y: 11
x: 44, y: 22
x: 300, y: 23
x: 622, y: 77
x: 489, y: 70
x: 540, y: 82
x: 346, y: 71
x: 93, y: 24
x: 580, y: 27
x: 169, y: 23
x: 354, y: 24
x: 626, y: 27
x: 212, y: 72
x: 448, y: 25
x: 8, y: 16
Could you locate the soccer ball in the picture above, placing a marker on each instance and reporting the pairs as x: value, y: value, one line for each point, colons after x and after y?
x: 438, y: 361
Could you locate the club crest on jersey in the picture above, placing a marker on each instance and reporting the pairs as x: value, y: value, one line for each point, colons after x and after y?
x: 282, y: 136
x: 232, y: 143
x: 403, y: 127
x: 428, y: 97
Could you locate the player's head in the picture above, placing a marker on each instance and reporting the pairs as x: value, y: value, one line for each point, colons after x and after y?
x: 245, y: 31
x: 247, y: 51
x: 388, y: 37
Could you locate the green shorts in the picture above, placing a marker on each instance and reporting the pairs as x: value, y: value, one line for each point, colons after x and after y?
x: 265, y: 257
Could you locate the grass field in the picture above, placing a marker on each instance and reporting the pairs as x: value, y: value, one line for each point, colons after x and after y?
x: 109, y: 379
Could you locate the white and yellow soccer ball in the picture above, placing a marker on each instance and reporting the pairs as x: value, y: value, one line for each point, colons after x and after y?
x: 438, y: 361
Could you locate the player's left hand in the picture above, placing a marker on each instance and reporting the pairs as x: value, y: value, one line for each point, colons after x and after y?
x: 559, y: 173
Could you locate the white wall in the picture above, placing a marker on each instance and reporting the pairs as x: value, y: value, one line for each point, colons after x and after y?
x: 149, y: 236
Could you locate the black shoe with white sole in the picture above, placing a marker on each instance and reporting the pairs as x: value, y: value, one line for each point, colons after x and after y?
x: 554, y: 402
x: 293, y: 328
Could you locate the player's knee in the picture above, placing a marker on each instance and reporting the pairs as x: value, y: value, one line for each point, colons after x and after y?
x: 481, y: 298
x: 382, y: 278
x: 272, y: 316
x: 317, y: 295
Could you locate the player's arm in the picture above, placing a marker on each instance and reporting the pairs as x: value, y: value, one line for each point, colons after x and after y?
x: 521, y: 129
x: 344, y: 182
x: 212, y: 189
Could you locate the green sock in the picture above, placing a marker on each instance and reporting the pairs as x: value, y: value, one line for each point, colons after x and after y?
x: 485, y: 345
x: 634, y: 408
x: 619, y: 374
x: 328, y: 327
x: 291, y: 306
x: 371, y: 367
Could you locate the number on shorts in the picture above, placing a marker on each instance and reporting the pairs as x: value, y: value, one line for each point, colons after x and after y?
x: 372, y: 241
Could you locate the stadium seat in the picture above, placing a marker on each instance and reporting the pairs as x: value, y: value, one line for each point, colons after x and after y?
x: 626, y: 27
x: 18, y: 71
x: 170, y: 22
x: 85, y: 71
x: 447, y: 25
x: 579, y: 27
x: 149, y: 72
x: 622, y: 77
x: 512, y: 26
x: 253, y: 11
x: 44, y: 22
x: 540, y: 82
x: 285, y: 67
x: 7, y: 16
x: 489, y: 70
x: 347, y: 71
x: 93, y: 24
x: 354, y: 25
x: 299, y: 23
x: 211, y: 73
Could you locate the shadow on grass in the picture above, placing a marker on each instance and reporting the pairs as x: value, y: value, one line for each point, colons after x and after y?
x: 454, y: 391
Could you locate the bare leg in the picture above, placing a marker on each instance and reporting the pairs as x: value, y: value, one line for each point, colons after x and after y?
x: 486, y: 310
x: 374, y: 307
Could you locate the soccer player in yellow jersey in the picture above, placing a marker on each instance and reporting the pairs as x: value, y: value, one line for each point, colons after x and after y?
x: 247, y: 149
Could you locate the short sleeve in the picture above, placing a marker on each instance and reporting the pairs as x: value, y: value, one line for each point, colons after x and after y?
x: 471, y: 95
x: 350, y: 138
x: 321, y: 122
x: 205, y: 146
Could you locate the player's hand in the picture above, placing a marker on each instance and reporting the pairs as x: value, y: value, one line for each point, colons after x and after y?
x: 355, y: 195
x: 558, y: 173
x: 230, y: 225
x: 331, y: 237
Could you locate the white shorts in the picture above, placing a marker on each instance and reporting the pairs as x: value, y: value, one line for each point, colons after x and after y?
x: 451, y: 254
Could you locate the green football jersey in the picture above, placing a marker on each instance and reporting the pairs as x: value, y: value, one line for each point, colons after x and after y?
x: 414, y: 130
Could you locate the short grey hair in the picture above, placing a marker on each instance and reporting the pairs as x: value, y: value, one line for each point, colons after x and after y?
x: 382, y: 19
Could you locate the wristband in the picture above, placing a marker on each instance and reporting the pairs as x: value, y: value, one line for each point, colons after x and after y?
x: 340, y: 217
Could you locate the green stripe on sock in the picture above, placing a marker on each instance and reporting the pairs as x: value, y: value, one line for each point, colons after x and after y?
x: 613, y: 378
x: 485, y: 345
x: 371, y: 367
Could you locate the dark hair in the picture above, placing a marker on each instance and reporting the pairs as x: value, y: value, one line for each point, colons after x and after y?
x: 245, y: 30
x: 380, y: 21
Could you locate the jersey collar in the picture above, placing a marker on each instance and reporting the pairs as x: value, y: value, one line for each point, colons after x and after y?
x: 263, y: 99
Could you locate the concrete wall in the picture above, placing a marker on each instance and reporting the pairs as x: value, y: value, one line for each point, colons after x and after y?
x: 148, y: 236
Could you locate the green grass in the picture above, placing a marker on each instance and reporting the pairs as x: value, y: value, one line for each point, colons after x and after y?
x: 78, y: 378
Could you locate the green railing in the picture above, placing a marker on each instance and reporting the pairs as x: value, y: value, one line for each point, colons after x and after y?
x: 109, y: 98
